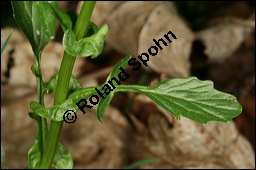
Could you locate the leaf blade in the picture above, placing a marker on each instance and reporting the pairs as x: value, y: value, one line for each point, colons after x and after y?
x: 103, y: 104
x: 30, y: 17
x: 191, y: 98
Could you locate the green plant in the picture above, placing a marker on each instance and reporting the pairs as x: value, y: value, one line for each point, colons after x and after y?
x: 188, y: 97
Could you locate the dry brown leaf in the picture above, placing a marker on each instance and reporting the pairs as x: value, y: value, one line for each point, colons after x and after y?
x: 125, y: 24
x: 222, y: 39
x: 174, y: 58
x: 87, y: 140
x: 186, y: 144
x: 17, y: 129
x: 11, y: 93
x: 216, y: 144
x: 133, y: 26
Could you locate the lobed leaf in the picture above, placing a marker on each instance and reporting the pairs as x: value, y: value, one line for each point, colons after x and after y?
x: 191, y: 98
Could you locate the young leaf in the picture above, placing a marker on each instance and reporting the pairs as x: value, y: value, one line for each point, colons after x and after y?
x: 31, y: 18
x: 191, y: 98
x: 6, y: 42
x: 89, y: 46
x: 51, y: 85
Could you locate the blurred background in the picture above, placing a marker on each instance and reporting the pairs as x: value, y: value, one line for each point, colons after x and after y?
x: 215, y: 41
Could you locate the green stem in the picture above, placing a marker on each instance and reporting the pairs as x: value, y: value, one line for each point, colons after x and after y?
x: 42, y: 124
x: 63, y: 84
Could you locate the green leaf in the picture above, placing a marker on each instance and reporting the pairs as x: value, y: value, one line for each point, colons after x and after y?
x: 122, y: 63
x: 31, y: 18
x: 6, y: 42
x: 141, y: 162
x: 89, y: 46
x: 56, y: 112
x: 51, y: 85
x: 63, y: 159
x: 188, y: 97
x: 104, y: 103
x: 35, y: 70
x: 63, y: 18
x: 191, y: 98
x: 36, y: 150
x: 91, y: 29
x: 68, y: 19
x: 34, y: 153
x: 73, y: 16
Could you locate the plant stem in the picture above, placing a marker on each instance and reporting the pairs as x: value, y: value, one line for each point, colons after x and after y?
x: 42, y: 124
x: 63, y: 84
